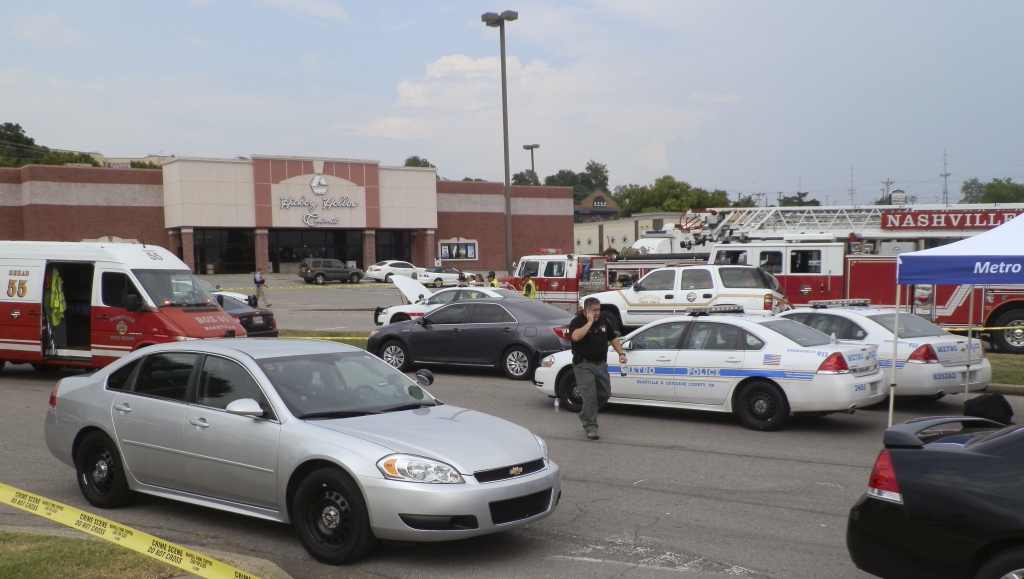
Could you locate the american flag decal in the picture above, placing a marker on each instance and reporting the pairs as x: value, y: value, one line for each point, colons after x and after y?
x: 772, y: 359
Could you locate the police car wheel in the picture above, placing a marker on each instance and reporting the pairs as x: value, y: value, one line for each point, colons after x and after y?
x: 569, y: 395
x: 101, y: 475
x: 330, y: 515
x: 762, y: 406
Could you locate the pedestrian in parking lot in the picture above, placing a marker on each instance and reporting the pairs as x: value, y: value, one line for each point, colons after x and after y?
x: 529, y: 288
x: 259, y: 282
x: 491, y: 282
x: 591, y: 333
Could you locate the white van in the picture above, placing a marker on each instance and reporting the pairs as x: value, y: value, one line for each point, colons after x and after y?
x: 85, y: 305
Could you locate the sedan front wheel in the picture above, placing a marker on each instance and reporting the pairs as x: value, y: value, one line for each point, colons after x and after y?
x: 396, y: 354
x: 516, y: 363
x: 331, y: 518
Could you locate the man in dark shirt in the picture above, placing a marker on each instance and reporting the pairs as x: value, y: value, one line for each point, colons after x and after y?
x: 591, y: 333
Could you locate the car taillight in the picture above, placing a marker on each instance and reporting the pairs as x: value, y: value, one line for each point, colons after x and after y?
x: 882, y: 484
x: 924, y: 355
x: 53, y: 396
x: 768, y: 301
x: 562, y: 333
x: 834, y: 364
x: 273, y: 323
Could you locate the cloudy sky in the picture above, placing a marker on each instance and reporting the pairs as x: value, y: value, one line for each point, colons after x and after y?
x: 747, y: 96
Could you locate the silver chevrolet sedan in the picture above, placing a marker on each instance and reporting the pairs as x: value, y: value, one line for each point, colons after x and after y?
x: 324, y: 436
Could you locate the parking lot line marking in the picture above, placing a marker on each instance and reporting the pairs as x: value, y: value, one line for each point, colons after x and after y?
x: 326, y: 329
x: 126, y: 537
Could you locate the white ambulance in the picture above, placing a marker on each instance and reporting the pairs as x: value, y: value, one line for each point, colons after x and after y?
x: 85, y: 305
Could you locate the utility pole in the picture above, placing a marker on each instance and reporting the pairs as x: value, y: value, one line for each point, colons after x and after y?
x: 852, y: 190
x: 888, y: 183
x: 945, y: 180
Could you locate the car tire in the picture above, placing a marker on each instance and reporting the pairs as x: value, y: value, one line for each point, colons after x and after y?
x: 761, y: 406
x: 319, y: 279
x: 331, y: 518
x: 306, y: 281
x: 516, y: 362
x: 569, y: 396
x: 100, y: 471
x: 399, y: 318
x: 387, y: 278
x: 1006, y: 564
x: 396, y: 354
x: 438, y: 282
x: 1010, y: 341
x: 354, y: 278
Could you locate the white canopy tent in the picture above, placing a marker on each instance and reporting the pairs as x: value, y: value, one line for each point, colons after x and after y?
x: 993, y: 257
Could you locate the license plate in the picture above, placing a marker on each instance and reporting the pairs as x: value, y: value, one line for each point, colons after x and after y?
x: 257, y: 320
x: 874, y: 387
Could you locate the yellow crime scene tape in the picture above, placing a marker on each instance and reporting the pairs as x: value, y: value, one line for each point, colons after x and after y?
x: 127, y: 537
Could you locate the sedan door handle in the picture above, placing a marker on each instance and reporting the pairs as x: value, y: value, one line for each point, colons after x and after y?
x: 199, y: 422
x: 733, y: 360
x: 456, y: 330
x: 664, y: 359
x: 506, y: 330
x: 122, y: 408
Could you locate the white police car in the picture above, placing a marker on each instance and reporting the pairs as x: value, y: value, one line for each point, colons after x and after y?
x: 422, y: 300
x: 929, y: 360
x: 761, y: 368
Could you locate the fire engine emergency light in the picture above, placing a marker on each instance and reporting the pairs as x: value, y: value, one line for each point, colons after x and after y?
x: 824, y: 304
x: 706, y: 310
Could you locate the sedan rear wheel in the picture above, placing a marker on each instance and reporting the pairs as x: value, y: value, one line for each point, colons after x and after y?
x: 762, y: 406
x: 516, y: 363
x: 387, y: 278
x: 100, y: 471
x: 331, y: 518
x: 1006, y: 565
x: 396, y: 354
x: 438, y: 282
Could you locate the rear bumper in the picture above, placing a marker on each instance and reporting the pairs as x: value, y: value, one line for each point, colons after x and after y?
x: 930, y: 379
x: 881, y: 541
x: 261, y: 334
x: 835, y: 392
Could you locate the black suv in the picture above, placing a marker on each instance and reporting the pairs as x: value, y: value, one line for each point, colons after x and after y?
x: 320, y: 270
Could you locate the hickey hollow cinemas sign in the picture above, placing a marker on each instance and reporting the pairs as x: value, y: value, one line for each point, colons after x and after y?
x: 973, y: 219
x: 319, y: 186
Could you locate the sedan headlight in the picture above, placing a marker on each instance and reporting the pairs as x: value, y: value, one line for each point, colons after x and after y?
x: 410, y: 468
x: 384, y: 311
x: 543, y: 446
x: 548, y: 361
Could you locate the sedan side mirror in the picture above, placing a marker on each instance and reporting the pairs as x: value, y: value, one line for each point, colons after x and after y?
x: 424, y: 377
x: 627, y: 345
x: 245, y: 407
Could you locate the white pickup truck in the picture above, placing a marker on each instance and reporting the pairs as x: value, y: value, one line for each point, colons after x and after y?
x: 670, y: 291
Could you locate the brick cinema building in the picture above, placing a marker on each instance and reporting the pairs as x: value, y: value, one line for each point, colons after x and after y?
x: 232, y: 216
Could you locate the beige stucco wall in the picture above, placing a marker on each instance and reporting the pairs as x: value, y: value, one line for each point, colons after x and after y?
x: 209, y: 193
x: 408, y: 198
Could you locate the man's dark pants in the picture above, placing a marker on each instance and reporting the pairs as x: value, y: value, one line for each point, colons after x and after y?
x: 594, y: 383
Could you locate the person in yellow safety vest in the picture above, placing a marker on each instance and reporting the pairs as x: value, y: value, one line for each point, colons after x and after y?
x: 491, y: 282
x: 529, y: 288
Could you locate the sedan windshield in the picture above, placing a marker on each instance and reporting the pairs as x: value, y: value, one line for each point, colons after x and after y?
x: 168, y: 287
x: 797, y: 332
x: 340, y: 385
x: 910, y: 326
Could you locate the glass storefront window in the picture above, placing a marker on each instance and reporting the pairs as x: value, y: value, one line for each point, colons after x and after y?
x: 394, y: 245
x: 288, y: 247
x: 224, y: 250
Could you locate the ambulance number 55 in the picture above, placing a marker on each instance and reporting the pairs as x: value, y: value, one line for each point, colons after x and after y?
x: 17, y: 287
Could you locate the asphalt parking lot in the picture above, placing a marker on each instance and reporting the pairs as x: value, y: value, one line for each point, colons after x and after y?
x: 663, y: 492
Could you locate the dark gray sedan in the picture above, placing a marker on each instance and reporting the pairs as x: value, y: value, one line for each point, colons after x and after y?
x: 513, y: 334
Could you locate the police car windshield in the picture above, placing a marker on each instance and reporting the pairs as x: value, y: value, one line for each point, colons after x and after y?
x: 910, y: 326
x: 168, y: 287
x: 799, y: 333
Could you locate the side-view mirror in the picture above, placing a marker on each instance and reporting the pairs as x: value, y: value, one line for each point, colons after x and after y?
x: 217, y: 286
x: 424, y: 377
x: 245, y: 407
x: 423, y: 322
x: 133, y: 303
x: 637, y: 287
x: 627, y: 345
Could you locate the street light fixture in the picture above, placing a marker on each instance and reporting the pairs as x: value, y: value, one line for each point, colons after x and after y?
x: 495, y: 20
x: 530, y: 148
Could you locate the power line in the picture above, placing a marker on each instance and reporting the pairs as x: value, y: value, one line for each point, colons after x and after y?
x: 945, y: 180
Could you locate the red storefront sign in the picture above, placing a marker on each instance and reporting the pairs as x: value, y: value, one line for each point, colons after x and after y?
x: 947, y: 219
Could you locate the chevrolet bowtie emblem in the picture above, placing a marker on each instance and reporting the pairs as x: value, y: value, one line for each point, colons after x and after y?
x: 515, y: 471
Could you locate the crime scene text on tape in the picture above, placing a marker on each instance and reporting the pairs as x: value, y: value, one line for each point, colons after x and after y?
x: 126, y: 537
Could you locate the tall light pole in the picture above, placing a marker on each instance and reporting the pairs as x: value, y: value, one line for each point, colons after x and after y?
x: 530, y: 148
x: 494, y: 19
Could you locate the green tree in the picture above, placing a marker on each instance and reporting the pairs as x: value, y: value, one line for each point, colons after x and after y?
x: 416, y: 161
x: 798, y: 200
x: 17, y: 148
x: 667, y: 194
x: 526, y: 177
x: 472, y: 179
x: 594, y: 177
x: 144, y: 165
x: 745, y: 201
x: 65, y: 157
x: 995, y: 191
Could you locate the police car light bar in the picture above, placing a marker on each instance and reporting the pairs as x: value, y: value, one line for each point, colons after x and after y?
x: 707, y: 310
x: 819, y: 304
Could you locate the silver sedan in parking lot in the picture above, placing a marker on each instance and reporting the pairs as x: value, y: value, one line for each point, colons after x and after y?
x: 324, y: 436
